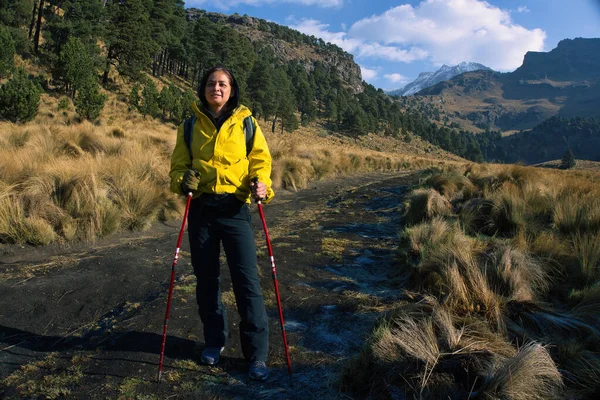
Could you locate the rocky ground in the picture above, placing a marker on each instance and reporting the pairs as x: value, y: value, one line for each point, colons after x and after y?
x: 84, y: 321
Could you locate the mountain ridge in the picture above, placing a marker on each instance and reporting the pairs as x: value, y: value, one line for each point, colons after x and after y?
x: 444, y: 73
x: 563, y: 82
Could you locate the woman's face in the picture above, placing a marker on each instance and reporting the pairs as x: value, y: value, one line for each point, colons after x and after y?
x: 218, y: 90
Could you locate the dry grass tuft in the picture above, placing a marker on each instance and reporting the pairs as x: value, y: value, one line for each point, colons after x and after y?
x: 451, y: 184
x: 516, y: 275
x: 529, y: 375
x: 586, y: 248
x: 425, y: 204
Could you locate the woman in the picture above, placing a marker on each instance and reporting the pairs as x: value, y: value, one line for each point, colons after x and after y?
x: 220, y: 174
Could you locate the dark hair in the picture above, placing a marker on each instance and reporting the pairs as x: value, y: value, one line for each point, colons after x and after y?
x: 233, y: 101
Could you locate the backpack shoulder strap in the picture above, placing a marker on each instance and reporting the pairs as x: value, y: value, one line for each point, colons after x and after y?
x: 249, y: 133
x: 188, y: 130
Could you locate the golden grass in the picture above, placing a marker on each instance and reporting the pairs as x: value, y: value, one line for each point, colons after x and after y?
x: 586, y: 248
x: 534, y: 239
x: 64, y: 179
x: 451, y: 183
x: 64, y: 182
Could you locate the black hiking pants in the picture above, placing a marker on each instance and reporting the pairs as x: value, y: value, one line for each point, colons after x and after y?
x: 212, y: 220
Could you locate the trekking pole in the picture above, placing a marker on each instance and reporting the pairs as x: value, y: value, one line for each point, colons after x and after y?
x: 274, y: 273
x: 175, y: 259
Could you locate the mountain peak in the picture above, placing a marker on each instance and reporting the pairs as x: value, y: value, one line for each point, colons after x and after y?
x: 427, y: 79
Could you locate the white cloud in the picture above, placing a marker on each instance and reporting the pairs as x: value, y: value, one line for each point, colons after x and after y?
x: 228, y: 4
x: 357, y: 46
x: 451, y: 31
x: 440, y: 31
x: 396, y: 78
x: 368, y: 74
x: 522, y: 9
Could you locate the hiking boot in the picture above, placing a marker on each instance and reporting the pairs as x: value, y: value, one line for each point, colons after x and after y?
x: 258, y: 371
x: 211, y: 355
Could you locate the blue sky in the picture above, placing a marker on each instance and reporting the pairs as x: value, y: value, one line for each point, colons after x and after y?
x: 393, y: 41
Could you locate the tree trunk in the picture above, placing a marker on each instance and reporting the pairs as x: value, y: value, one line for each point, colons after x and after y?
x: 38, y: 28
x: 107, y: 67
x: 164, y: 62
x: 273, y: 126
x: 154, y: 65
x: 32, y: 24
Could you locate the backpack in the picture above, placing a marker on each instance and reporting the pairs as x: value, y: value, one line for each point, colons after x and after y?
x: 188, y: 128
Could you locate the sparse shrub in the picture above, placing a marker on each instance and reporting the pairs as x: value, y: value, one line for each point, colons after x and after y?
x: 19, y: 98
x: 89, y: 102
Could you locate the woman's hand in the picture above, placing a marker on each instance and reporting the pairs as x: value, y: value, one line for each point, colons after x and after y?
x: 259, y: 190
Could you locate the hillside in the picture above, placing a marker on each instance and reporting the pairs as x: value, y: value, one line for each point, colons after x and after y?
x: 289, y: 45
x: 564, y: 82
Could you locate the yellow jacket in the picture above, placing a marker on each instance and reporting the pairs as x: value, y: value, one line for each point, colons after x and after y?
x: 220, y: 157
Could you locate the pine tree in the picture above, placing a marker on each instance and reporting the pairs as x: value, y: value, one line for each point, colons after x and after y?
x: 7, y: 52
x: 75, y: 66
x: 568, y: 159
x: 81, y: 19
x: 89, y: 102
x: 198, y: 44
x: 187, y: 100
x: 19, y: 98
x: 262, y: 88
x: 128, y: 37
x: 284, y: 96
x: 15, y: 15
x: 150, y: 100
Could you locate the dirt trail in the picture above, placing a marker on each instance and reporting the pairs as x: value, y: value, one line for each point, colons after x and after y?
x: 85, y: 322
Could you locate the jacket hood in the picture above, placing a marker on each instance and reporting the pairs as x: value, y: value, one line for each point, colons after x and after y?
x: 233, y: 101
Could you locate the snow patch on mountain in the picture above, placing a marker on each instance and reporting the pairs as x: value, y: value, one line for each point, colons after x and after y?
x: 427, y: 79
